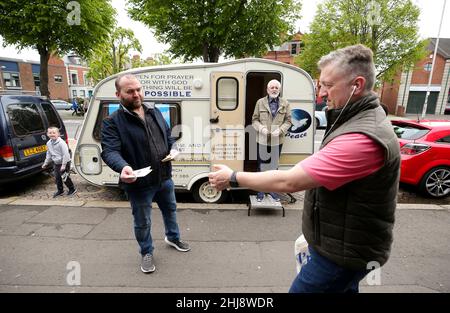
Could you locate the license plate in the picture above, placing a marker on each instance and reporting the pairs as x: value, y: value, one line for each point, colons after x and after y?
x: 34, y: 150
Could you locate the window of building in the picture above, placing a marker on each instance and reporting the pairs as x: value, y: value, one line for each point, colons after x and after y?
x: 58, y: 79
x: 25, y: 118
x: 227, y: 93
x: 427, y: 67
x: 74, y: 78
x: 74, y: 93
x: 295, y: 48
x: 82, y: 93
x: 170, y: 111
x: 11, y: 79
x: 85, y: 79
x: 37, y: 80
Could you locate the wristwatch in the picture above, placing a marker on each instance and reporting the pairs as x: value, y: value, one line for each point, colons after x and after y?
x: 233, y: 181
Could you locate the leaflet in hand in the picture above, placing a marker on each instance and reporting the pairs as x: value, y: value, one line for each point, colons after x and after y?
x: 167, y: 158
x: 142, y: 172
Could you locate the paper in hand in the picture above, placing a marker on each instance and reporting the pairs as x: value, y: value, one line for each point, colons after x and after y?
x: 167, y: 158
x: 142, y: 172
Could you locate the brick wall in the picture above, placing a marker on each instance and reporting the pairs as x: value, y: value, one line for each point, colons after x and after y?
x: 26, y: 77
x: 58, y: 90
x: 389, y: 94
x: 280, y: 56
x: 80, y: 73
x: 421, y: 76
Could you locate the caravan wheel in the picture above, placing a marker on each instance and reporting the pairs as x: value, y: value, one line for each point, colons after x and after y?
x: 203, y: 192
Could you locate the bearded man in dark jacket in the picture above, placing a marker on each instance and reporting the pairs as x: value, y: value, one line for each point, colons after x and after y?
x: 136, y: 136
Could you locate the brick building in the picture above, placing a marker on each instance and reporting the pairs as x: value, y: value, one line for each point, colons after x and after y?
x: 80, y: 86
x: 287, y: 51
x: 407, y: 92
x: 22, y: 76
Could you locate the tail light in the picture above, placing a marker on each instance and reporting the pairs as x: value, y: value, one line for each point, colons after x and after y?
x: 67, y: 138
x: 414, y: 148
x: 7, y: 153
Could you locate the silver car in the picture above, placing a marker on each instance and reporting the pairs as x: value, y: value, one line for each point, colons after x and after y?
x: 61, y: 104
x: 321, y: 119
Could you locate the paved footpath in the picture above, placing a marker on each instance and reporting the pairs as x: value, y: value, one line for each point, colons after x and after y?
x: 231, y: 252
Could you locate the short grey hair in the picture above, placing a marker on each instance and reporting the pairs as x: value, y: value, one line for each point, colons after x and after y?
x: 274, y: 81
x: 354, y: 60
x: 119, y: 78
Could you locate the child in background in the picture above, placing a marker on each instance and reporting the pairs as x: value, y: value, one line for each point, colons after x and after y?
x: 58, y: 152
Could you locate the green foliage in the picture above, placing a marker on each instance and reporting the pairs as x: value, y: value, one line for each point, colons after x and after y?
x: 43, y: 23
x: 159, y: 59
x: 112, y: 56
x: 234, y: 28
x: 54, y: 27
x: 388, y: 27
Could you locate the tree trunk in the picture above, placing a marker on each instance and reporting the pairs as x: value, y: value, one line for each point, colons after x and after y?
x: 205, y: 53
x: 43, y: 75
x: 210, y: 54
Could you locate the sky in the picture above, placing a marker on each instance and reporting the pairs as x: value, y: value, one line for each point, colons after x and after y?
x: 430, y: 15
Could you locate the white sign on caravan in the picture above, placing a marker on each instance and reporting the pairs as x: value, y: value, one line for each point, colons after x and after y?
x: 166, y: 85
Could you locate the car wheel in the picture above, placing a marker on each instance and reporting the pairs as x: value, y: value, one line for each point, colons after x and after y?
x: 203, y: 192
x: 436, y: 182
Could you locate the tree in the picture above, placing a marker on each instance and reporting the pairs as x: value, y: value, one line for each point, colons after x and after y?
x: 112, y: 57
x: 55, y: 27
x: 388, y: 27
x: 158, y: 59
x: 199, y: 28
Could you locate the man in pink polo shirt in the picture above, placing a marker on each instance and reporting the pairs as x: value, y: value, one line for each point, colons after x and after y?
x: 351, y: 182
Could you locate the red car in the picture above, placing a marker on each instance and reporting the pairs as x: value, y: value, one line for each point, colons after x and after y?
x: 425, y: 153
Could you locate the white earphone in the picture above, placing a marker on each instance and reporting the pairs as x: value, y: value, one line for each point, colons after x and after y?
x: 345, y: 106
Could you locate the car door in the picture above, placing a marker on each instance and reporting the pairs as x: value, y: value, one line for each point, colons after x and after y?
x: 52, y: 118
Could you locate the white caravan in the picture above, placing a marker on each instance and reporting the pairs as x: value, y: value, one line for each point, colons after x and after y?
x: 209, y: 108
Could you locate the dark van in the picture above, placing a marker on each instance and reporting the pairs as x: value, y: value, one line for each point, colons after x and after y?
x: 23, y: 134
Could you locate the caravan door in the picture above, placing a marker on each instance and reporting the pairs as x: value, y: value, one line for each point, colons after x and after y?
x: 227, y: 119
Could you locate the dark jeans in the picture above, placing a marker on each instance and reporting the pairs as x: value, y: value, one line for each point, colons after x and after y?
x: 58, y: 178
x: 141, y: 204
x: 320, y: 275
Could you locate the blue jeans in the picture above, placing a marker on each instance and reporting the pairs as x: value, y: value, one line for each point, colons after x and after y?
x: 320, y: 275
x: 141, y: 204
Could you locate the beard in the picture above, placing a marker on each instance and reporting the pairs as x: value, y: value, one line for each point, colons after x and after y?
x: 274, y: 95
x: 131, y: 105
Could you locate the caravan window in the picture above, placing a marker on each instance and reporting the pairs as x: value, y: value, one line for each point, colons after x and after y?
x: 170, y: 111
x: 227, y: 93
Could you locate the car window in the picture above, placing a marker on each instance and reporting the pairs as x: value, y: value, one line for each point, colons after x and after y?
x: 444, y: 139
x: 409, y: 132
x: 52, y: 118
x: 25, y: 118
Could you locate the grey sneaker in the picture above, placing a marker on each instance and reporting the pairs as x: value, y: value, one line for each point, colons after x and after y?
x: 178, y: 244
x: 58, y: 193
x: 147, y: 265
x: 72, y: 192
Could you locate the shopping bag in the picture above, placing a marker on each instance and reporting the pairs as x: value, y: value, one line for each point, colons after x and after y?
x: 301, y: 252
x: 65, y: 175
